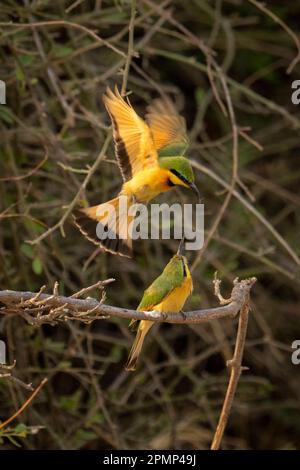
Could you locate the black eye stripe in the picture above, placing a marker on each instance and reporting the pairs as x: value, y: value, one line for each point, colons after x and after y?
x: 182, y: 178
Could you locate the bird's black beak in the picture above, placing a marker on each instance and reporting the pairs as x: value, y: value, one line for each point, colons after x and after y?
x: 196, y: 191
x: 181, y: 248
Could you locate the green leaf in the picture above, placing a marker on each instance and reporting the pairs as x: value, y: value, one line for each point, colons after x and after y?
x: 26, y: 59
x: 200, y: 94
x: 54, y: 346
x: 62, y: 51
x: 38, y: 227
x: 13, y: 441
x: 21, y: 430
x: 27, y: 250
x: 82, y: 436
x: 37, y: 266
x: 6, y: 114
x: 70, y: 402
x: 97, y: 418
x: 20, y: 74
x: 64, y: 365
x: 117, y: 352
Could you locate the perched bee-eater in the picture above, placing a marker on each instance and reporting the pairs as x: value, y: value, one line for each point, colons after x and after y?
x: 167, y: 293
x: 151, y: 158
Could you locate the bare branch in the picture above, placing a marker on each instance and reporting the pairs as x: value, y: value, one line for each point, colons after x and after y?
x: 39, y: 308
x: 6, y: 373
x: 236, y: 369
x: 25, y: 405
x: 56, y: 308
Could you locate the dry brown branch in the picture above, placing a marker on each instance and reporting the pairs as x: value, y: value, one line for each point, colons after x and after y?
x: 25, y: 405
x: 39, y: 308
x: 236, y: 369
x: 6, y: 373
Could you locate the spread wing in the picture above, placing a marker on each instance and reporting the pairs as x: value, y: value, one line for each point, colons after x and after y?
x: 168, y: 128
x: 170, y: 278
x: 134, y: 144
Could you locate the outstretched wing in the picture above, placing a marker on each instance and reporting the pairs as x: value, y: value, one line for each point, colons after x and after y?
x: 171, y: 277
x: 168, y: 128
x: 134, y: 144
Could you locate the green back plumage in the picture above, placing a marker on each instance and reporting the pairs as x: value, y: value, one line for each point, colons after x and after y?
x: 179, y: 165
x: 176, y: 148
x: 171, y: 277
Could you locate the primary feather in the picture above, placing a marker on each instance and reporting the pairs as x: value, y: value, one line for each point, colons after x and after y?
x: 168, y: 128
x: 134, y: 145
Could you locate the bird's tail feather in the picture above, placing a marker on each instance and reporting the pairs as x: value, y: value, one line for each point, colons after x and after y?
x: 112, y: 218
x: 143, y: 329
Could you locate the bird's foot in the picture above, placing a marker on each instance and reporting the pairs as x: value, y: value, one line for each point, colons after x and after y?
x: 183, y: 315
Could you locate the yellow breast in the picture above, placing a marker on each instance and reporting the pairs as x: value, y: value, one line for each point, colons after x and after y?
x: 147, y: 184
x: 175, y: 301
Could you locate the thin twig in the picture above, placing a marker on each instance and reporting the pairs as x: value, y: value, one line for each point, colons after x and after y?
x: 251, y: 94
x: 130, y: 51
x: 73, y: 203
x: 251, y: 209
x: 66, y: 24
x: 289, y: 31
x: 29, y: 173
x: 25, y: 405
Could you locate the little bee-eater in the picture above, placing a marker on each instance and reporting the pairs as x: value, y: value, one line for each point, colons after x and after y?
x: 150, y: 155
x: 167, y: 293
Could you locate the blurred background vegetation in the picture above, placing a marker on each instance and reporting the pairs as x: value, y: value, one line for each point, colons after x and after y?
x: 52, y: 130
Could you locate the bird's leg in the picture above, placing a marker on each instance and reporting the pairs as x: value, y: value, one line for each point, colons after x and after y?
x: 184, y: 315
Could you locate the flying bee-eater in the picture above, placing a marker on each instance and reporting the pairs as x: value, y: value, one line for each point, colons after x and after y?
x: 150, y: 155
x: 167, y: 293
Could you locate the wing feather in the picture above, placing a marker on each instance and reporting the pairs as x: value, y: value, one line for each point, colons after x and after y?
x: 171, y: 277
x: 134, y: 144
x: 168, y: 127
